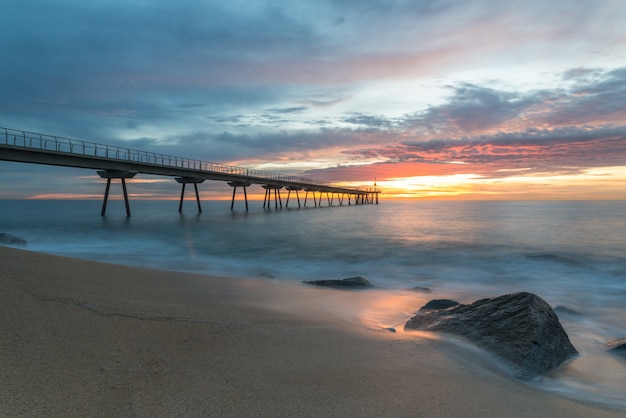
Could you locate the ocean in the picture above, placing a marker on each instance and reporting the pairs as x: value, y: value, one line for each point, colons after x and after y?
x: 572, y: 254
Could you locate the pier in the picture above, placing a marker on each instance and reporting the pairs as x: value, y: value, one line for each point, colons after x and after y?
x: 120, y: 163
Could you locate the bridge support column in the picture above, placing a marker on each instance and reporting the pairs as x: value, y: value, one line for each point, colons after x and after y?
x: 268, y: 195
x: 330, y: 197
x: 307, y: 195
x: 115, y: 174
x: 184, y: 181
x: 295, y: 189
x: 234, y: 185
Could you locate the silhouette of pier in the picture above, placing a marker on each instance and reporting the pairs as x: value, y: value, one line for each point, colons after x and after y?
x: 114, y: 162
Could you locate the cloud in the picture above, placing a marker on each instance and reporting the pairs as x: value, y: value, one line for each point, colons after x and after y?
x: 593, y: 96
x: 561, y: 150
x: 497, y: 133
x: 297, y: 109
x: 370, y: 121
x: 471, y: 109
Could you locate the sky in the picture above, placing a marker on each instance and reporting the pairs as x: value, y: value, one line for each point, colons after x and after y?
x: 430, y: 99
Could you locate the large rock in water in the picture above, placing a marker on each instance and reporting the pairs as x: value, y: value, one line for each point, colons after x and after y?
x: 520, y: 328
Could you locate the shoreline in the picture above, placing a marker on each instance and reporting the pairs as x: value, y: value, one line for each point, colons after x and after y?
x: 84, y: 338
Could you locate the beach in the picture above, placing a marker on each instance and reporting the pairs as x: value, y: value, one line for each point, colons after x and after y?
x: 83, y: 338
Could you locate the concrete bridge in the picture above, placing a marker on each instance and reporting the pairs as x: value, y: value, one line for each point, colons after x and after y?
x: 113, y: 162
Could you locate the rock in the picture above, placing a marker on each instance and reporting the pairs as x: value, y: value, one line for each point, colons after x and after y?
x: 11, y: 239
x: 349, y: 283
x: 616, y: 346
x: 266, y: 275
x: 437, y: 304
x: 520, y: 328
x: 420, y: 289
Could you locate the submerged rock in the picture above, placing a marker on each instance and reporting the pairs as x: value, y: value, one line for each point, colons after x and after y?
x: 437, y: 304
x: 11, y: 239
x: 520, y: 328
x: 616, y: 346
x: 349, y: 283
x: 266, y: 275
x: 421, y: 289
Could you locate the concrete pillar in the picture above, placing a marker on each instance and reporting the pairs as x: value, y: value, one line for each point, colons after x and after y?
x: 115, y: 174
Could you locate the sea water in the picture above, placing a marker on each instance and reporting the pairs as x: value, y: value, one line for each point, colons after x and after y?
x: 572, y: 254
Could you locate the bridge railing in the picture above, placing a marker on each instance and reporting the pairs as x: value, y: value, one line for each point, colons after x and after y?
x: 57, y: 144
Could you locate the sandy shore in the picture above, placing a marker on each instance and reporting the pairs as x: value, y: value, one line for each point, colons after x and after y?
x: 82, y: 338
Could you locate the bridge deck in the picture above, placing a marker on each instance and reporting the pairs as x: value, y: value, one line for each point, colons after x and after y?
x: 29, y: 147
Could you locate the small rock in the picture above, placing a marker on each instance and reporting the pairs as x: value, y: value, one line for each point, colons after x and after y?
x: 616, y: 346
x: 266, y: 275
x: 349, y: 283
x: 11, y: 239
x: 437, y: 304
x: 390, y: 329
x: 420, y: 289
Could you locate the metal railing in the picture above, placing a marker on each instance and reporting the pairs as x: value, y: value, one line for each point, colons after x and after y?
x: 57, y: 144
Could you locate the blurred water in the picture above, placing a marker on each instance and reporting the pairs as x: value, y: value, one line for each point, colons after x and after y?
x: 572, y: 254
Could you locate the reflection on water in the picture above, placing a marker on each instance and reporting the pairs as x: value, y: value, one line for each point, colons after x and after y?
x: 375, y: 309
x: 594, y: 376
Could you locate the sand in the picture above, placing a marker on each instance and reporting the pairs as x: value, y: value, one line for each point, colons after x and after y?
x: 81, y: 338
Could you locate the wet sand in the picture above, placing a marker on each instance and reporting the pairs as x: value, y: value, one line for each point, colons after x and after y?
x: 81, y: 338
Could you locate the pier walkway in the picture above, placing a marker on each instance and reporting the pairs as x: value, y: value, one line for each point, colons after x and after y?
x: 113, y: 162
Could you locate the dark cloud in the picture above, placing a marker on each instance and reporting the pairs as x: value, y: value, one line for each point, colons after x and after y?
x: 370, y: 121
x: 560, y: 150
x: 475, y: 108
x: 297, y: 109
x: 594, y: 96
